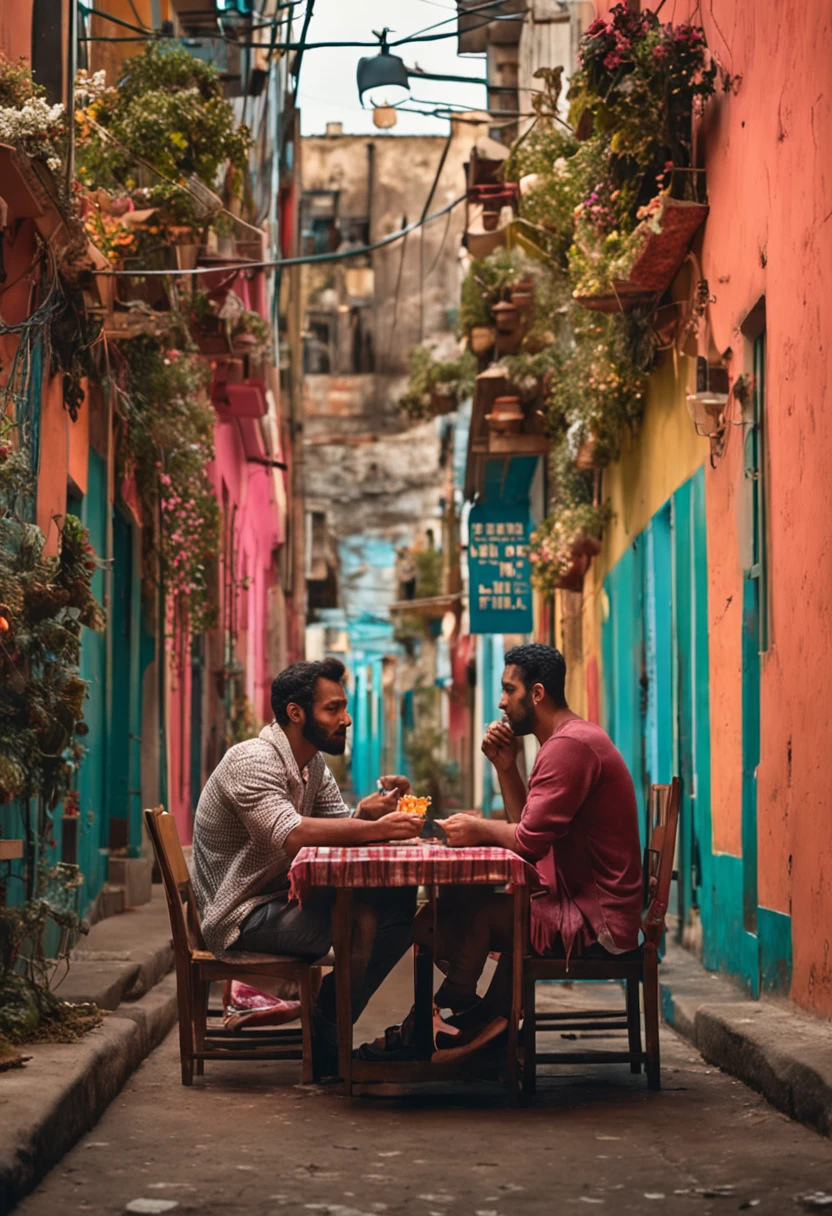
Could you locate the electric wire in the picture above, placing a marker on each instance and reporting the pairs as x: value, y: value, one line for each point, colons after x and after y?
x: 301, y: 260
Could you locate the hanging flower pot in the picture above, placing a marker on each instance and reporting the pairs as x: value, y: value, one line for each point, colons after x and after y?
x: 571, y: 578
x: 442, y: 402
x: 587, y: 452
x: 506, y: 415
x: 522, y: 294
x: 481, y: 339
x: 505, y: 317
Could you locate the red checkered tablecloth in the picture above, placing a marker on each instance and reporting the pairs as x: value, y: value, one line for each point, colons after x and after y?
x: 410, y: 865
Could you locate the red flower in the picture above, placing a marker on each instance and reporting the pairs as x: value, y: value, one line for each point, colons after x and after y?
x: 597, y: 27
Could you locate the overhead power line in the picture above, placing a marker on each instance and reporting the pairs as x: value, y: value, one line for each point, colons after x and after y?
x: 303, y: 260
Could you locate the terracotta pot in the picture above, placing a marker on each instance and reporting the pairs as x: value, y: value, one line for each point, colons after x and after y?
x: 490, y: 220
x: 506, y: 415
x: 481, y: 339
x: 442, y: 402
x: 572, y: 579
x: 522, y: 294
x: 505, y: 317
x: 586, y: 546
x: 585, y: 458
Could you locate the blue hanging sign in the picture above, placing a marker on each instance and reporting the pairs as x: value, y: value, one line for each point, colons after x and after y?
x: 499, y: 572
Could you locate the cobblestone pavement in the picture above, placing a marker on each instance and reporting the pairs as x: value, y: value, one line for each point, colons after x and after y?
x: 248, y: 1139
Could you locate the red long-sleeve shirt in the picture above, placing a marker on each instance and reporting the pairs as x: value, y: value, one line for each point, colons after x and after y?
x: 580, y: 827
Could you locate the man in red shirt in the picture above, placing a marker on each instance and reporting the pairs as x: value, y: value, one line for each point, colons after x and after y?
x: 578, y: 824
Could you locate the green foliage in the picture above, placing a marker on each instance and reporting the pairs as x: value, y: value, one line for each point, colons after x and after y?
x: 27, y: 120
x: 599, y: 392
x: 46, y: 602
x: 640, y: 81
x: 29, y: 1009
x: 168, y: 441
x: 428, y: 564
x: 454, y: 378
x: 485, y: 285
x: 558, y: 539
x: 170, y: 110
x: 549, y: 153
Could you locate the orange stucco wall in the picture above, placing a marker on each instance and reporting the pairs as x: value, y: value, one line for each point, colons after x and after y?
x: 769, y: 235
x: 764, y: 142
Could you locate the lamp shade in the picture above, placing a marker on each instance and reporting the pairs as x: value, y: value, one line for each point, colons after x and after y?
x: 380, y: 72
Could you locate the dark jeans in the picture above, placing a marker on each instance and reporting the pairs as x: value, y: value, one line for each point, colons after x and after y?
x: 381, y: 934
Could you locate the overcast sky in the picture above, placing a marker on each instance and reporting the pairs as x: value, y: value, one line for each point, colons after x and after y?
x: 328, y: 90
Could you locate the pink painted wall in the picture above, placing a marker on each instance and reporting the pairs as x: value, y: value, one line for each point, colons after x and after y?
x: 258, y: 523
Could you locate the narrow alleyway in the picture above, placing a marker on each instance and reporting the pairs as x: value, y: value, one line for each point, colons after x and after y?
x: 248, y: 1139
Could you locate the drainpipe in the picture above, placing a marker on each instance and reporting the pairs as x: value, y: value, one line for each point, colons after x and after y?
x: 294, y: 323
x: 371, y: 185
x: 72, y: 71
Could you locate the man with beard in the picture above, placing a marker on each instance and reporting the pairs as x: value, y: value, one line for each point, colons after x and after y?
x: 577, y: 822
x: 268, y: 798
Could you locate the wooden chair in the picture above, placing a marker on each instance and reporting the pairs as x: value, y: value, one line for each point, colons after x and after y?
x: 197, y: 968
x: 636, y: 967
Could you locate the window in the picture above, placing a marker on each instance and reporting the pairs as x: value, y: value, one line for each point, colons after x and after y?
x: 755, y: 462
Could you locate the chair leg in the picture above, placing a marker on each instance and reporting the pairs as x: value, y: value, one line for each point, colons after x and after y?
x: 186, y: 1029
x: 529, y: 1040
x: 634, y: 1023
x: 651, y: 1019
x: 199, y: 1017
x: 317, y: 975
x: 305, y: 985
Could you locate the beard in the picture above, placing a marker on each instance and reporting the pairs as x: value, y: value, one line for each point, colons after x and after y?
x: 333, y: 744
x: 525, y: 719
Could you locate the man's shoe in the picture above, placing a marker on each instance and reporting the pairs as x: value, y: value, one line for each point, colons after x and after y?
x: 324, y: 1049
x: 487, y: 1034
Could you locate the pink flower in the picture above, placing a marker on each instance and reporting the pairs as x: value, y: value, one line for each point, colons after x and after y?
x: 597, y: 27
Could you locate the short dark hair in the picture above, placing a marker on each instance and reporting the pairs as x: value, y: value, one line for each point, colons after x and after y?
x: 541, y: 664
x: 296, y: 685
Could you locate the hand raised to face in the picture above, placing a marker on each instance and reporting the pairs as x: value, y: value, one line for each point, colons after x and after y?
x: 500, y: 745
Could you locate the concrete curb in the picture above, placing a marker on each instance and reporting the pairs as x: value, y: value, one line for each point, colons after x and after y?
x: 770, y: 1045
x: 46, y: 1107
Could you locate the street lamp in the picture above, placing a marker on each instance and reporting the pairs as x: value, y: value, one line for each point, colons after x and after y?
x: 387, y: 73
x: 384, y: 76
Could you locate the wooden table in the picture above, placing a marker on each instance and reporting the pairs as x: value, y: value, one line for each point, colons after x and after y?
x: 411, y: 865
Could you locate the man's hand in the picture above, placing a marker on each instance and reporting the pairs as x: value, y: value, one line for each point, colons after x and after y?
x: 398, y: 825
x: 463, y: 830
x: 395, y: 782
x: 500, y: 746
x: 376, y: 806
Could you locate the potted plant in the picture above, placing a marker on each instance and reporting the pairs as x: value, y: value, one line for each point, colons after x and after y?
x: 481, y: 339
x: 436, y: 387
x: 562, y: 545
x: 505, y: 317
x: 506, y: 415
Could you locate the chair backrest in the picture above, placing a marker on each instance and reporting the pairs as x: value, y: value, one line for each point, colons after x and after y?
x: 658, y: 857
x: 184, y: 917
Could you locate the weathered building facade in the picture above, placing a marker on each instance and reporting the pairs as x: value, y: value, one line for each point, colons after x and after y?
x: 380, y: 487
x: 164, y: 699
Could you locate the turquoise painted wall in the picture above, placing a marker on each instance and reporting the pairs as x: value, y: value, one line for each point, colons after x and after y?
x: 93, y: 778
x: 656, y: 709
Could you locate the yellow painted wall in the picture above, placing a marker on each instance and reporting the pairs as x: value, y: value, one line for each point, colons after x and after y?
x: 664, y: 453
x: 660, y: 457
